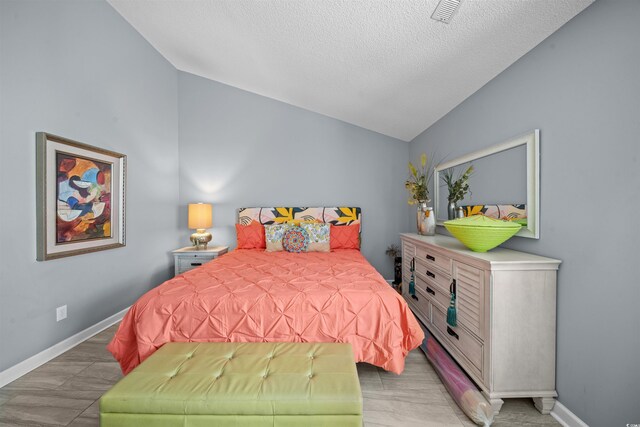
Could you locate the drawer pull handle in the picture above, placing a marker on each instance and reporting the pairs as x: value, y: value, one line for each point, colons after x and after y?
x: 414, y: 297
x: 431, y: 258
x: 430, y: 291
x: 452, y: 333
x: 195, y: 264
x: 430, y: 274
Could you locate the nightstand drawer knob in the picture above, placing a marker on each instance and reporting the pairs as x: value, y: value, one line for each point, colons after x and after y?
x: 195, y: 264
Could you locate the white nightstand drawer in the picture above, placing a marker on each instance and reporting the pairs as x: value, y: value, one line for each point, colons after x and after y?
x: 189, y: 258
x: 185, y: 264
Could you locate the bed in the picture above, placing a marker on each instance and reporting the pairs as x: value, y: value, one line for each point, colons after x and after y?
x: 250, y: 295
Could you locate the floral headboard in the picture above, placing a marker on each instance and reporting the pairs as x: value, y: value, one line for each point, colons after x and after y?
x: 333, y: 215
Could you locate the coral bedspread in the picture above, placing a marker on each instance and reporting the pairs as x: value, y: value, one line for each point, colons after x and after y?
x: 255, y: 296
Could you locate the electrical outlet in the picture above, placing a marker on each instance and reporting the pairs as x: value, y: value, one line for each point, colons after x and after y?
x: 61, y: 313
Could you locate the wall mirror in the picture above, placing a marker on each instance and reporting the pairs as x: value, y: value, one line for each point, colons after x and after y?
x: 505, y: 183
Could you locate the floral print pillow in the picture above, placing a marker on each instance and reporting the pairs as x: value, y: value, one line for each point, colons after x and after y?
x: 319, y: 235
x: 273, y: 235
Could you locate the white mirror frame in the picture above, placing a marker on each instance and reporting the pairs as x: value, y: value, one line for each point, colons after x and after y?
x: 532, y: 142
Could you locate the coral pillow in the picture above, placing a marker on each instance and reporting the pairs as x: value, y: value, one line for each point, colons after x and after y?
x: 250, y: 236
x: 345, y: 236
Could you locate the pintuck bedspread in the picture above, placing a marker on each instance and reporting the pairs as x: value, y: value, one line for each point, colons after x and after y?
x: 255, y: 296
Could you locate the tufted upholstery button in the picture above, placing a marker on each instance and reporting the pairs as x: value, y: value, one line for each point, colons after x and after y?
x: 264, y: 376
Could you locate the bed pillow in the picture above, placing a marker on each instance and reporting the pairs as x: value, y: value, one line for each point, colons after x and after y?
x: 319, y: 236
x: 250, y: 236
x: 345, y: 236
x: 273, y: 236
x: 295, y: 239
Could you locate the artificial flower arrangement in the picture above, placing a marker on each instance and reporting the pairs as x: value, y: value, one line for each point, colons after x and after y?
x: 418, y: 182
x: 459, y: 187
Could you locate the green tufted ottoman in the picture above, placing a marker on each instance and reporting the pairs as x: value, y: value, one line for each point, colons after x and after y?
x: 238, y: 384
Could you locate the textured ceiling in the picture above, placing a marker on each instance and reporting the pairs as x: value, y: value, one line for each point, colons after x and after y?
x: 381, y: 65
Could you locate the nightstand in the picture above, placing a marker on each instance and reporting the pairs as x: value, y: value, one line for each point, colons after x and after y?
x: 189, y: 257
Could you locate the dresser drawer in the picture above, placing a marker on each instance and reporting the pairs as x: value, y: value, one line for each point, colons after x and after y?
x: 462, y: 340
x: 432, y: 292
x: 433, y: 275
x: 421, y: 303
x: 470, y: 297
x: 433, y: 259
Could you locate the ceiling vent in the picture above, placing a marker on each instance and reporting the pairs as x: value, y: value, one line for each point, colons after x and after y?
x: 445, y: 10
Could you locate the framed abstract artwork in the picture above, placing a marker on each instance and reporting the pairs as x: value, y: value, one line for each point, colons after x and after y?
x: 80, y: 194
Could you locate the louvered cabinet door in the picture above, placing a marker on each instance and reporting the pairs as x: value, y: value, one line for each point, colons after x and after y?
x: 469, y: 282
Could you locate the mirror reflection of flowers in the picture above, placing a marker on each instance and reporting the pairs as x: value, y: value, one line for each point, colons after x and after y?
x: 418, y: 182
x: 459, y: 187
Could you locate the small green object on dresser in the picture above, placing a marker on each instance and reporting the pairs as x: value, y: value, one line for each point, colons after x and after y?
x: 481, y: 233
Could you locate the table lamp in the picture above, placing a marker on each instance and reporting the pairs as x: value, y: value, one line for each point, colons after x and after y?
x: 200, y: 219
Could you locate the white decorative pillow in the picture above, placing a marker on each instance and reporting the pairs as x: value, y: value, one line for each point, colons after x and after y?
x: 319, y: 235
x: 273, y: 235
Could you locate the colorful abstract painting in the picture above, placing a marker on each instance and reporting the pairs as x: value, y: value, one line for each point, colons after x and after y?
x: 80, y: 197
x: 83, y: 198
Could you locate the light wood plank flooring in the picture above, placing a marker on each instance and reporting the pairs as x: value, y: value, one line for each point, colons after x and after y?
x: 66, y: 390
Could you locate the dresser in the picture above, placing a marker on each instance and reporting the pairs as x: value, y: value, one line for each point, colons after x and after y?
x: 188, y: 258
x: 505, y: 338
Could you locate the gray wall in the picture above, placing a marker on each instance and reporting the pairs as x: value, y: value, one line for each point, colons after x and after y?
x: 77, y: 69
x: 581, y: 87
x: 240, y: 149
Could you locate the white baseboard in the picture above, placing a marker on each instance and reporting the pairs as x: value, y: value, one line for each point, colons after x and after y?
x: 28, y: 365
x: 565, y: 417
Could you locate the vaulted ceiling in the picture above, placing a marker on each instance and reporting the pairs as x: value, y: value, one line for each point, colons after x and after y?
x: 384, y: 65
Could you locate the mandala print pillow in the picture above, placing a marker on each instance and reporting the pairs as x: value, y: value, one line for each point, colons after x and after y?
x: 295, y: 239
x: 319, y: 234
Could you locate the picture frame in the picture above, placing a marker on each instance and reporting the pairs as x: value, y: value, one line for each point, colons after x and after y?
x: 80, y: 198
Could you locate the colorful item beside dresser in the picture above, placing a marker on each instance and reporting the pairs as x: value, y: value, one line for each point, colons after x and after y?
x: 481, y: 233
x: 461, y: 389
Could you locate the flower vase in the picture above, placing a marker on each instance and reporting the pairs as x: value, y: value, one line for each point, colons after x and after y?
x: 451, y: 210
x: 426, y: 220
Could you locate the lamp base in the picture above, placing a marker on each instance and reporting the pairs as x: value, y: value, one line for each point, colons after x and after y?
x: 200, y: 238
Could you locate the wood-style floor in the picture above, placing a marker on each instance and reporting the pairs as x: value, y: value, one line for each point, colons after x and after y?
x: 66, y: 392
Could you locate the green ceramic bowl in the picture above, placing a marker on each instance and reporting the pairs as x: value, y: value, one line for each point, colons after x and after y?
x: 480, y: 233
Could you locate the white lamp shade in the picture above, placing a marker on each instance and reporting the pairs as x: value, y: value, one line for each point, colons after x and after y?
x: 199, y: 215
